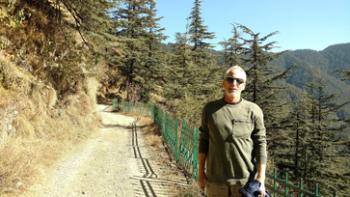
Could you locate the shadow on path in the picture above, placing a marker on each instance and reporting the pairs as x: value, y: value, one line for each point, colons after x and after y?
x: 149, y: 184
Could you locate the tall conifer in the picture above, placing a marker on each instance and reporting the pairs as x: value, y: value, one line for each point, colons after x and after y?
x: 262, y: 85
x: 233, y: 49
x: 197, y: 30
x: 137, y: 25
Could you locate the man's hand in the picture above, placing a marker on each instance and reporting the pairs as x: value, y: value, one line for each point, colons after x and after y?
x: 262, y: 190
x: 261, y: 178
x: 262, y: 187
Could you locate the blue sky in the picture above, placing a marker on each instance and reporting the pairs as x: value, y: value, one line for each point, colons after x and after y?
x: 302, y: 24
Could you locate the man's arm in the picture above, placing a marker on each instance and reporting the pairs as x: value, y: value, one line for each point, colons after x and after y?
x: 201, y: 174
x: 259, y: 138
x: 202, y: 150
x: 261, y: 170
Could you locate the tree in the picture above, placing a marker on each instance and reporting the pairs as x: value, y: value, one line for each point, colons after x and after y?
x: 155, y: 62
x: 197, y: 30
x: 179, y: 73
x: 179, y: 77
x: 347, y: 75
x: 293, y: 146
x: 138, y: 28
x: 233, y: 49
x: 326, y: 125
x: 264, y: 87
x: 43, y: 37
x: 194, y: 74
x: 198, y: 34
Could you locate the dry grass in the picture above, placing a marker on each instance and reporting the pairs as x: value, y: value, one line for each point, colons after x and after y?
x: 192, y: 190
x: 151, y: 132
x: 36, y: 129
x: 152, y: 137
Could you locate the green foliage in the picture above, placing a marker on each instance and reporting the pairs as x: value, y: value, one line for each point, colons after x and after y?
x: 138, y: 29
x: 233, y: 49
x: 192, y: 76
x: 197, y: 30
x: 325, y: 125
x: 188, y: 85
x: 337, y: 57
x: 42, y: 35
x: 308, y: 146
x: 311, y: 64
x: 264, y: 87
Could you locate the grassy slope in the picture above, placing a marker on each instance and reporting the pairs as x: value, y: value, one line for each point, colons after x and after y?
x: 35, y: 128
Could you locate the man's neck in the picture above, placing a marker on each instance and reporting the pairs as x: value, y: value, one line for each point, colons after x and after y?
x: 232, y: 100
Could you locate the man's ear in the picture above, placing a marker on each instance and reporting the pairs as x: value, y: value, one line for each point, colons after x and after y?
x: 243, y: 86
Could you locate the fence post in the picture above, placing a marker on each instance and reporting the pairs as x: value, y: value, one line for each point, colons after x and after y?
x: 301, y: 188
x: 274, y: 182
x: 177, y: 140
x: 286, y: 188
x: 317, y: 190
x: 153, y: 114
x: 195, y: 153
x: 114, y: 103
x: 166, y: 129
x: 164, y: 125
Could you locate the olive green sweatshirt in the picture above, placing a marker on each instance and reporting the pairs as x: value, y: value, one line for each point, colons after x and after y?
x: 233, y: 138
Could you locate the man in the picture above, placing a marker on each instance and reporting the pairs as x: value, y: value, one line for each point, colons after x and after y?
x: 232, y: 140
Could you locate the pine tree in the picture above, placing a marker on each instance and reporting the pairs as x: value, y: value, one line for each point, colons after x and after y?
x: 155, y: 62
x: 197, y: 30
x: 199, y: 35
x: 46, y: 31
x: 194, y: 72
x: 201, y: 55
x: 308, y: 146
x: 263, y: 87
x: 233, y: 49
x: 298, y: 127
x: 206, y: 74
x: 137, y: 25
x: 308, y: 151
x: 347, y: 75
x: 181, y: 75
x: 180, y: 69
x: 302, y: 127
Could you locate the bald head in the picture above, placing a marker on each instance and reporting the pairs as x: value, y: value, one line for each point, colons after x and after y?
x: 233, y: 69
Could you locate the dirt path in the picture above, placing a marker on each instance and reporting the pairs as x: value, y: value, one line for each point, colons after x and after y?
x: 116, y: 161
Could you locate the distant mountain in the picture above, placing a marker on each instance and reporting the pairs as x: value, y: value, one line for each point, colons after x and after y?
x: 329, y: 64
x: 338, y: 56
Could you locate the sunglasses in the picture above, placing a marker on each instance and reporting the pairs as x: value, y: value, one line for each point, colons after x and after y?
x: 232, y: 80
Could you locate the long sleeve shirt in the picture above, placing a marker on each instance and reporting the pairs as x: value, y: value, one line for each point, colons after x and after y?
x: 233, y: 137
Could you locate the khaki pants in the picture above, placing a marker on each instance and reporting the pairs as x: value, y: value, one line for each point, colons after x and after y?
x: 223, y: 190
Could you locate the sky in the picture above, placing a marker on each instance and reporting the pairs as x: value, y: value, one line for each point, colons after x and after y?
x: 302, y: 24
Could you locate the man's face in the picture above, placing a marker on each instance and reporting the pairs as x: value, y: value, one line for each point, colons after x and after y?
x: 234, y: 83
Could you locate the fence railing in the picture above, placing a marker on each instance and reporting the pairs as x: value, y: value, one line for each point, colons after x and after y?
x: 284, y: 187
x: 182, y: 140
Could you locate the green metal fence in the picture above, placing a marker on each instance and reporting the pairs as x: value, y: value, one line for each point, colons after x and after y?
x: 283, y: 186
x: 139, y: 108
x: 182, y: 140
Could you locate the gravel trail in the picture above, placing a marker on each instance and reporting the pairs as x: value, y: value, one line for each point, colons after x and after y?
x: 116, y: 161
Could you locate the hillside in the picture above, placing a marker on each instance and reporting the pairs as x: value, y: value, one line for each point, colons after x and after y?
x: 47, y: 88
x: 328, y: 64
